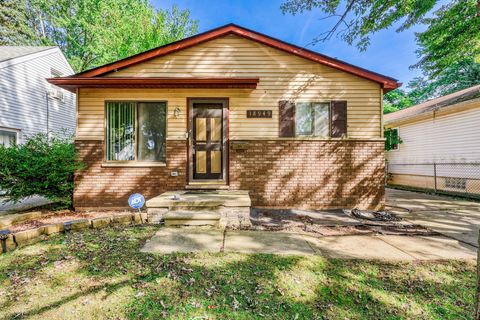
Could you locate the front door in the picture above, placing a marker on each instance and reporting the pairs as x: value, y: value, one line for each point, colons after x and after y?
x: 208, y: 139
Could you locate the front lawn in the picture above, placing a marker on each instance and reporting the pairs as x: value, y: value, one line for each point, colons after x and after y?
x: 100, y: 274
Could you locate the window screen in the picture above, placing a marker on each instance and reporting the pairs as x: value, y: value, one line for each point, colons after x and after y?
x: 136, y: 131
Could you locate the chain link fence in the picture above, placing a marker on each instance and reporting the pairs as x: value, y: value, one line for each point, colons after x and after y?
x: 455, y: 178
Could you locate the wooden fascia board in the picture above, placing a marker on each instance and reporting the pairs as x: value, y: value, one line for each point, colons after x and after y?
x: 72, y: 83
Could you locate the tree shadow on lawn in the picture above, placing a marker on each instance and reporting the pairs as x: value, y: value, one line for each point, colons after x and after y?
x: 363, y: 289
x: 240, y: 286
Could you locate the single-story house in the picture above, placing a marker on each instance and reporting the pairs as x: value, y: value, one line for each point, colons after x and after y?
x: 231, y: 109
x: 439, y: 146
x: 28, y: 103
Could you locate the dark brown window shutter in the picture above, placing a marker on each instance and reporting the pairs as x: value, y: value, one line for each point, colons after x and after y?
x: 287, y: 118
x: 339, y: 119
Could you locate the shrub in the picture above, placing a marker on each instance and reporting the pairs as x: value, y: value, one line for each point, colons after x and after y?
x: 42, y: 166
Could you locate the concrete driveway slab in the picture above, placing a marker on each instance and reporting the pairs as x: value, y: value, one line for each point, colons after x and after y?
x: 425, y: 248
x: 169, y: 240
x: 418, y: 201
x: 459, y: 219
x: 266, y: 242
x: 357, y: 247
x: 449, y: 223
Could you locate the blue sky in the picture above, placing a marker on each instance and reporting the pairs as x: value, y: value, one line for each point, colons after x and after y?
x: 390, y: 53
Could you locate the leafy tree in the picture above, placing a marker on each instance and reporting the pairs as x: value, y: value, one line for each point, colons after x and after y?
x: 452, y: 37
x: 42, y: 166
x: 458, y: 76
x: 15, y: 26
x: 396, y: 100
x: 358, y: 19
x: 96, y: 32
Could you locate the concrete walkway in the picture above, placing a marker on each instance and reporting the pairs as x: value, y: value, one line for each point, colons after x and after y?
x: 388, y: 247
x: 458, y: 219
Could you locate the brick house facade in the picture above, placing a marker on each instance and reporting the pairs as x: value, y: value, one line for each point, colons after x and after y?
x: 231, y: 109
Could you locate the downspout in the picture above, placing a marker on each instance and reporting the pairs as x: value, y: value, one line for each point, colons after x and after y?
x: 48, y: 114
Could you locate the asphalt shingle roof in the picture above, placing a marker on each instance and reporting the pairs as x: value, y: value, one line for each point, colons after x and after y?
x: 437, y: 103
x: 11, y: 52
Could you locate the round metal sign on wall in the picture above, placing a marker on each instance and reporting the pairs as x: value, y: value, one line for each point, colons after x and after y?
x: 136, y: 201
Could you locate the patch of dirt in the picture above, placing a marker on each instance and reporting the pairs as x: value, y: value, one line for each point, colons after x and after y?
x: 52, y: 217
x: 284, y: 220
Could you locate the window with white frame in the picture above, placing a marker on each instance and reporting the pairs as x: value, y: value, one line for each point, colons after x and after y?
x: 312, y: 119
x: 8, y: 137
x: 136, y: 131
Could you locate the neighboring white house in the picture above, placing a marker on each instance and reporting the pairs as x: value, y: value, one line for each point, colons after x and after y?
x: 440, y: 146
x: 28, y: 103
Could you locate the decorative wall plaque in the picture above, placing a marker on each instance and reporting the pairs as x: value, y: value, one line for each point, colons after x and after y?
x: 259, y: 113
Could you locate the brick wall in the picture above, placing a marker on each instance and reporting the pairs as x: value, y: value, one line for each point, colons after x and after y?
x: 310, y: 173
x: 97, y: 186
x: 278, y: 173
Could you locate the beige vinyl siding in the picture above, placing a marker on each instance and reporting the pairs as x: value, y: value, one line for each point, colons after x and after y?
x: 447, y: 138
x: 282, y: 76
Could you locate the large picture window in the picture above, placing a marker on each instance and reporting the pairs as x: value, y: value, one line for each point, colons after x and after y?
x: 136, y: 131
x: 312, y: 119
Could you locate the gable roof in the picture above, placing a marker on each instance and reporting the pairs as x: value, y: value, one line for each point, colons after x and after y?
x: 386, y: 82
x: 13, y: 55
x: 434, y: 104
x: 12, y: 52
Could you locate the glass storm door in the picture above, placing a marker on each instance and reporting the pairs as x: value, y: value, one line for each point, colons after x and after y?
x: 207, y: 142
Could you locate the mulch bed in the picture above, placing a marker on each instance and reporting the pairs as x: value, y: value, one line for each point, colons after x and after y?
x: 52, y: 217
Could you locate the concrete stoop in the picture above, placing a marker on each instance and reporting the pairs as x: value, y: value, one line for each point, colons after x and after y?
x: 219, y: 208
x: 178, y: 218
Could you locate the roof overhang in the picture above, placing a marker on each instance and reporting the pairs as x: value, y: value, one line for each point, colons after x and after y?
x: 387, y: 83
x: 73, y: 83
x: 433, y: 112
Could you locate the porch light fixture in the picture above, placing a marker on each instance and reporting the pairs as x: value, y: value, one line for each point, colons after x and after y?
x: 176, y: 112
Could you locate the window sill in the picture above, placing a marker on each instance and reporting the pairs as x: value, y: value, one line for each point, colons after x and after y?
x: 133, y: 164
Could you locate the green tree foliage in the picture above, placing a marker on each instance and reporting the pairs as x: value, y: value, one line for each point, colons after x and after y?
x: 458, y: 76
x: 452, y: 37
x: 396, y: 100
x: 96, y: 32
x: 41, y: 166
x: 15, y: 26
x: 357, y: 20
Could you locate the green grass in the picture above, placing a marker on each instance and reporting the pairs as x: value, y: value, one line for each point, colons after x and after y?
x: 101, y: 274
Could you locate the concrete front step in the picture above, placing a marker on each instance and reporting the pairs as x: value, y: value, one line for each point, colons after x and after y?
x: 200, y: 198
x: 194, y: 209
x: 230, y: 207
x: 175, y: 218
x: 206, y: 187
